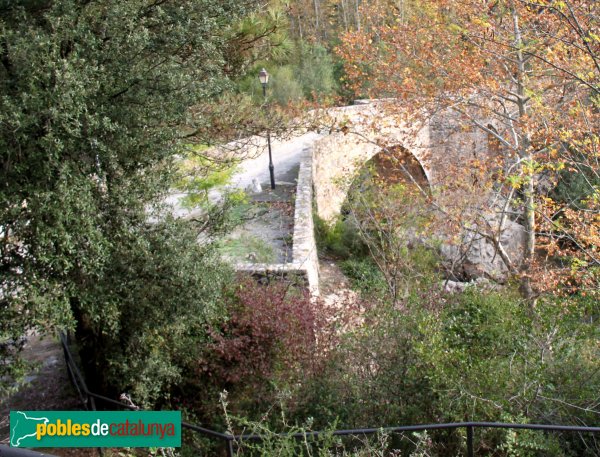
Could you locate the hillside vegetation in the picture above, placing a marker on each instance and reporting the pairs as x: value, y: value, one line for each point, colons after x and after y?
x: 101, y: 102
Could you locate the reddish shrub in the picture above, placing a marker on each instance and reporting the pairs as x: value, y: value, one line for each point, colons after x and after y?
x: 270, y: 327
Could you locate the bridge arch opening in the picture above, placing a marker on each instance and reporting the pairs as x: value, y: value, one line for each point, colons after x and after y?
x: 393, y: 169
x: 392, y: 166
x: 397, y: 165
x: 339, y: 161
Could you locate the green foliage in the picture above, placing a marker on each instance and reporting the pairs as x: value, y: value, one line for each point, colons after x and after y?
x: 340, y: 239
x: 316, y: 71
x: 576, y: 186
x: 304, y: 72
x: 93, y: 98
x: 278, y: 439
x: 198, y: 175
x: 284, y: 87
x: 480, y: 356
x: 365, y: 276
x: 242, y: 247
x: 163, y: 291
x: 263, y: 34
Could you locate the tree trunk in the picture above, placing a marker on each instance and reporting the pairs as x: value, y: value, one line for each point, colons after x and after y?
x: 344, y: 15
x: 527, y: 159
x: 316, y: 4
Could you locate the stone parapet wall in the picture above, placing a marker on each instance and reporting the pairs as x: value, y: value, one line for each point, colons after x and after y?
x: 304, y: 248
x: 305, y: 263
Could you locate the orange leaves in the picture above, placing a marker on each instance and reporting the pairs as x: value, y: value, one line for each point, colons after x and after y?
x: 531, y: 72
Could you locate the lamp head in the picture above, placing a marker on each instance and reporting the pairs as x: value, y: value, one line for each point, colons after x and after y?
x: 263, y: 77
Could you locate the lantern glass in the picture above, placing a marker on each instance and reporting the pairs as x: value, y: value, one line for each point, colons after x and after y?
x: 263, y: 76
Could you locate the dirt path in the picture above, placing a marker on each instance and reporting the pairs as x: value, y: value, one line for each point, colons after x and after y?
x: 343, y: 306
x: 47, y: 388
x: 332, y: 279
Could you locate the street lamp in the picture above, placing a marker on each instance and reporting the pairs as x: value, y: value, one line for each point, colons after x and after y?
x: 263, y: 77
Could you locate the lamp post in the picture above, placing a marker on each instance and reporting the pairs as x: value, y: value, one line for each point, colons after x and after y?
x: 263, y: 77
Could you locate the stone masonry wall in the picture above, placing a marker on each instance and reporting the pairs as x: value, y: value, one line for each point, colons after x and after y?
x: 339, y: 156
x: 305, y: 263
x: 442, y: 145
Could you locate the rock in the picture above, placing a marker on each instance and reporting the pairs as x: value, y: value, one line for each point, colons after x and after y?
x: 477, y: 258
x: 453, y: 287
x: 255, y: 187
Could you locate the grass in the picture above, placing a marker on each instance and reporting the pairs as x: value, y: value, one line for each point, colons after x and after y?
x: 247, y: 248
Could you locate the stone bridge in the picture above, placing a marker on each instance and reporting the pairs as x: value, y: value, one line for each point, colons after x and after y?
x: 444, y: 149
x: 441, y: 145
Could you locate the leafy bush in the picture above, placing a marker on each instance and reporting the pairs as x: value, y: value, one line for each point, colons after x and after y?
x: 269, y: 328
x: 95, y: 96
x: 286, y: 438
x: 340, y: 239
x: 153, y: 303
x: 472, y: 356
x: 265, y: 344
x: 365, y: 276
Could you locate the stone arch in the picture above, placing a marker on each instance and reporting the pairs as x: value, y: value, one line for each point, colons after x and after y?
x: 397, y: 164
x: 339, y: 158
x: 441, y: 143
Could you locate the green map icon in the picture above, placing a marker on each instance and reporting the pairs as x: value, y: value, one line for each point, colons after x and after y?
x: 23, y: 427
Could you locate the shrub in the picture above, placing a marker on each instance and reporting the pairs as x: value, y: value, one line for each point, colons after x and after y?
x: 151, y: 307
x: 268, y: 325
x: 365, y: 276
x: 472, y: 356
x: 265, y: 344
x: 340, y: 239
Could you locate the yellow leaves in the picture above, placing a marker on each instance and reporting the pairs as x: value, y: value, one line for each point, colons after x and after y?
x: 514, y: 181
x: 530, y: 167
x: 560, y: 5
x: 481, y: 22
x: 456, y: 28
x: 594, y: 199
x: 566, y: 135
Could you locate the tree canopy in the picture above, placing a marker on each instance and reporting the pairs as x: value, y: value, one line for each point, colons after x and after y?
x: 525, y: 73
x: 94, y: 98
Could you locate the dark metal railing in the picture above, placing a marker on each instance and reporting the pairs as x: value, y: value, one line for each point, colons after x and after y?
x: 232, y: 442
